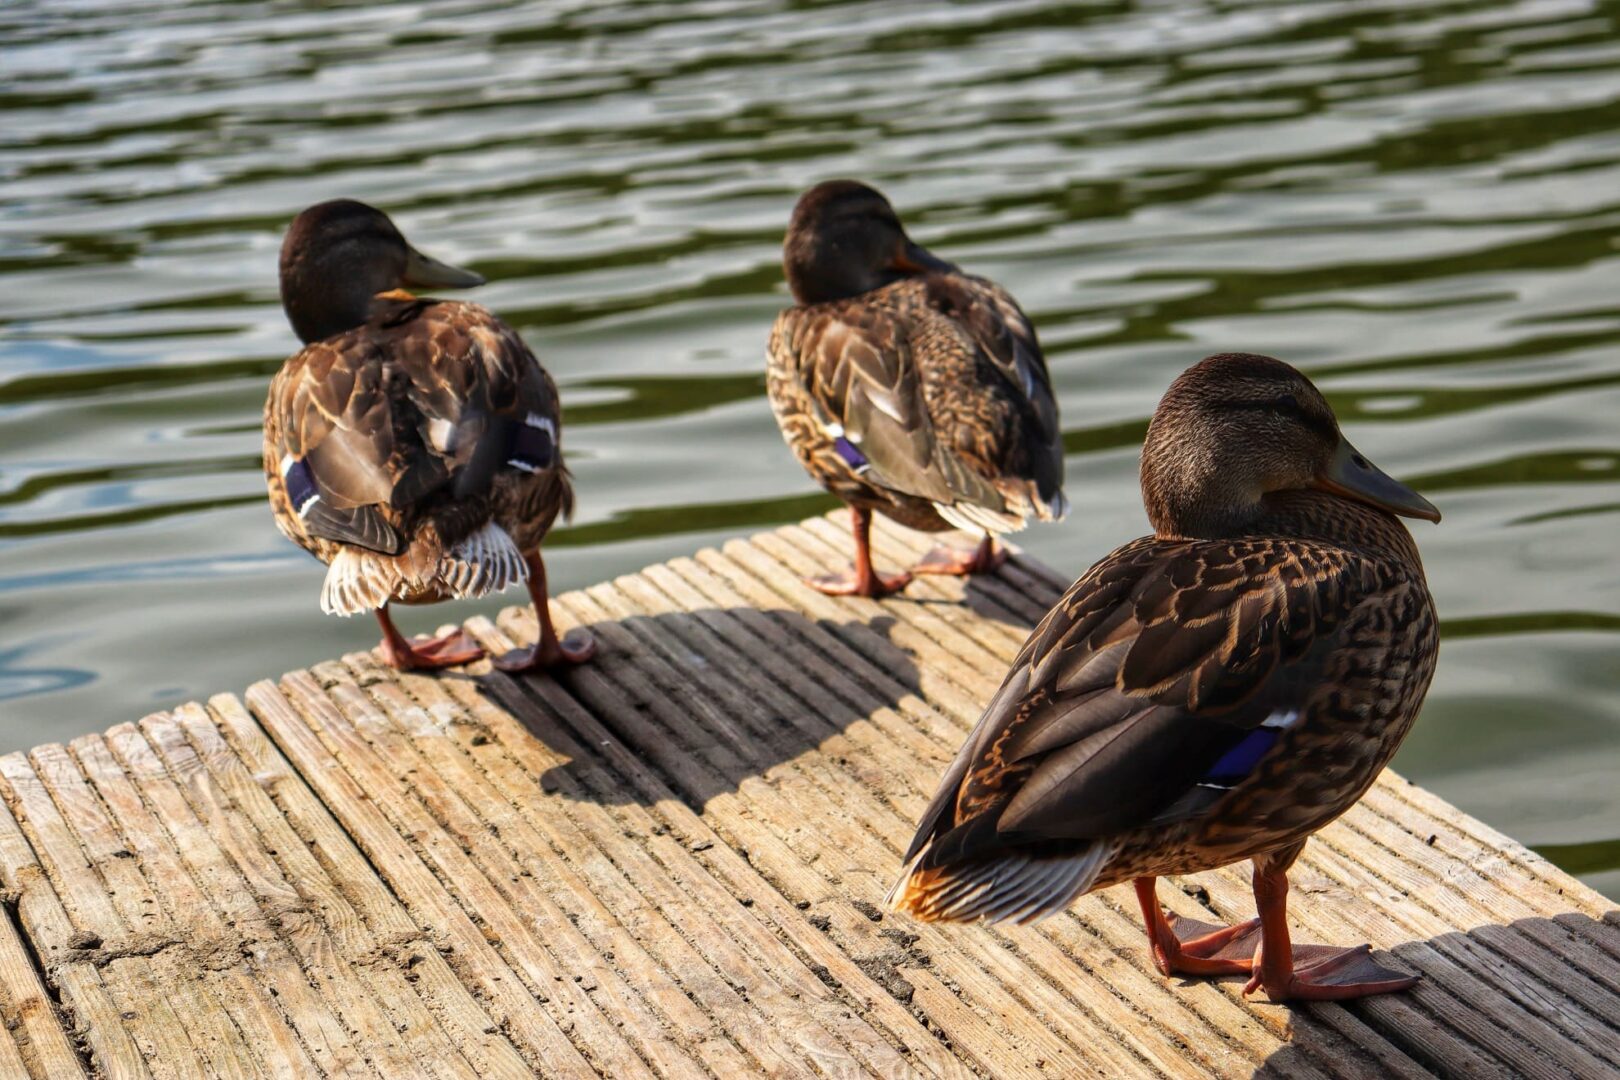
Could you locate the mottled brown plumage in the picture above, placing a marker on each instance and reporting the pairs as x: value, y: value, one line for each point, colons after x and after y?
x: 905, y: 386
x: 412, y: 444
x: 1217, y: 691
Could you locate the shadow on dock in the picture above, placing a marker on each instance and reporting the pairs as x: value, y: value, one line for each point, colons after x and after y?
x: 712, y: 698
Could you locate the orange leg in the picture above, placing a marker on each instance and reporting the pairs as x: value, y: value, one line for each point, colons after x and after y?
x: 1324, y: 972
x: 944, y: 559
x: 424, y: 653
x: 549, y: 651
x: 861, y: 579
x: 1189, y: 947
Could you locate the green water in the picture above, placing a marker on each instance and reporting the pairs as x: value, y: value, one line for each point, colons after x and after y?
x: 1419, y: 204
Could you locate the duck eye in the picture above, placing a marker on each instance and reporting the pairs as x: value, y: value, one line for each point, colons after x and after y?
x: 1287, y: 403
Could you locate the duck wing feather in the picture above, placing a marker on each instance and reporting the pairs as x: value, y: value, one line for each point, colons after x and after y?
x: 857, y: 364
x: 1006, y: 338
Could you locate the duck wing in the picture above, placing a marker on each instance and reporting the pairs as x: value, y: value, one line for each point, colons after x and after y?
x: 416, y: 411
x: 856, y: 364
x: 1006, y: 338
x: 1157, y: 685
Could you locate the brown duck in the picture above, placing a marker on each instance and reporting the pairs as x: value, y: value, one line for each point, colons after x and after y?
x: 412, y: 445
x: 1214, y: 692
x: 907, y: 387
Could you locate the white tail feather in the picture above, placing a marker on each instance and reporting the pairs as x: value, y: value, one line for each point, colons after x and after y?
x: 978, y: 519
x: 485, y: 562
x: 358, y: 581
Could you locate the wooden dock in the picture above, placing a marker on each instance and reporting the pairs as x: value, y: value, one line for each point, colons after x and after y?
x: 671, y: 863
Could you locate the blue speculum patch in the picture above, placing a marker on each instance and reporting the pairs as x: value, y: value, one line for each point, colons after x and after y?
x: 300, y: 484
x: 532, y: 447
x: 852, y: 457
x: 1241, y: 759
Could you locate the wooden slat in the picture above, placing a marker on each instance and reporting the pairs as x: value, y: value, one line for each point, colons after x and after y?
x: 671, y: 862
x: 338, y: 884
x: 399, y: 866
x: 35, y: 1042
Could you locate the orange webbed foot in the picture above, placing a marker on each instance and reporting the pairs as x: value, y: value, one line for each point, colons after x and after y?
x: 1328, y: 973
x: 851, y: 583
x: 944, y: 559
x: 575, y: 647
x: 1200, y: 948
x: 430, y: 653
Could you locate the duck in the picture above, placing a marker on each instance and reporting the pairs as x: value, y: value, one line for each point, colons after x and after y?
x: 413, y: 445
x: 1215, y: 692
x: 909, y: 388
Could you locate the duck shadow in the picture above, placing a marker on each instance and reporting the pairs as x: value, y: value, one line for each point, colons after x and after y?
x: 698, y: 702
x: 1521, y: 997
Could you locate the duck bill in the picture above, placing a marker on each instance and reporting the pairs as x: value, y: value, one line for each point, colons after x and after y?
x: 1354, y: 477
x: 913, y: 258
x: 426, y: 272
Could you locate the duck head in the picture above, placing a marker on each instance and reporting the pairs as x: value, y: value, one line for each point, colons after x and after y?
x: 1236, y: 428
x: 337, y: 256
x: 845, y: 239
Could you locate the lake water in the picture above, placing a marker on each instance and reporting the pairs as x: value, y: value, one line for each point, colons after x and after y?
x: 1417, y: 203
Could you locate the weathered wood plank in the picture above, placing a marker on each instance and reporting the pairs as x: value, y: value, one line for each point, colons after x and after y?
x: 671, y: 863
x: 337, y: 883
x: 35, y: 1042
x: 399, y: 865
x: 176, y: 959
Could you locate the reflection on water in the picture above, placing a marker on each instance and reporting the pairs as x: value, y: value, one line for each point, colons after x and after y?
x: 1415, y: 202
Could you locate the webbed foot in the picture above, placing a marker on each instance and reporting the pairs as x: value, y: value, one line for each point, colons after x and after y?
x: 944, y: 559
x: 873, y: 584
x: 429, y: 653
x: 576, y: 647
x: 1328, y: 973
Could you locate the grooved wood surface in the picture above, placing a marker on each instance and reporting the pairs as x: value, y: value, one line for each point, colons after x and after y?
x: 671, y: 863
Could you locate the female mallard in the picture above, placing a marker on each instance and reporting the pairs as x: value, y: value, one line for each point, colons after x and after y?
x: 1217, y: 691
x: 412, y: 444
x: 906, y: 386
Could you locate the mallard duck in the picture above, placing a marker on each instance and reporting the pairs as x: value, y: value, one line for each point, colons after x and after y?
x: 412, y: 445
x: 1217, y: 691
x: 907, y: 387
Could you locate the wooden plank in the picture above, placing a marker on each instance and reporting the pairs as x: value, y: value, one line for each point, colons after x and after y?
x: 418, y: 813
x: 36, y: 1042
x: 45, y: 920
x: 620, y: 876
x: 598, y: 876
x: 546, y: 1046
x: 176, y: 957
x: 969, y: 1032
x: 515, y: 906
x: 335, y: 881
x: 542, y: 706
x: 92, y: 928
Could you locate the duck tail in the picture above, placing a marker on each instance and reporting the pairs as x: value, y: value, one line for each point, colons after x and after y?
x: 1021, y: 501
x: 973, y: 518
x: 1018, y: 886
x: 485, y: 562
x: 359, y: 581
